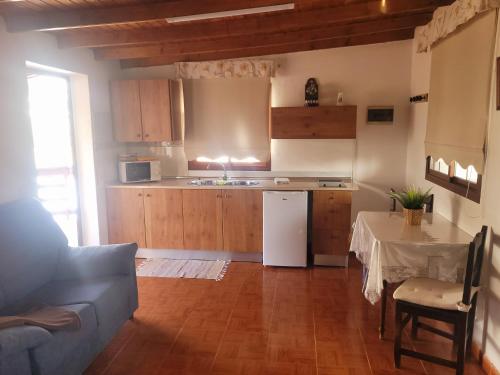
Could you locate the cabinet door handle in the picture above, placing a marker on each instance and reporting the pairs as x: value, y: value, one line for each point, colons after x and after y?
x: 146, y: 135
x: 139, y: 195
x: 148, y: 195
x: 138, y: 135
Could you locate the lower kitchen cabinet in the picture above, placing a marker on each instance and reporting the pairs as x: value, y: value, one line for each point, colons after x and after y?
x: 242, y: 220
x: 164, y: 224
x: 216, y: 219
x: 126, y: 216
x: 202, y: 212
x: 331, y: 222
x: 150, y: 217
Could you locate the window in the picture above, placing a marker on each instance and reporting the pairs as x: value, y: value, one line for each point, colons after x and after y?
x: 52, y: 128
x: 459, y: 106
x: 229, y: 163
x: 228, y: 120
x: 462, y: 181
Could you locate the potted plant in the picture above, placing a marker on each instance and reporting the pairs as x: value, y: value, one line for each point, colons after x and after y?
x: 412, y: 199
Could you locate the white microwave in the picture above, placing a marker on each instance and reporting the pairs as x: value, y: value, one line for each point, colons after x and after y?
x: 139, y: 171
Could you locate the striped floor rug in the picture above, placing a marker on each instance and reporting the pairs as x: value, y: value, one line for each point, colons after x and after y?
x: 183, y: 268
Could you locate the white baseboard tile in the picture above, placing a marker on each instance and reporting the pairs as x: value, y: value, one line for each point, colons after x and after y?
x: 331, y: 260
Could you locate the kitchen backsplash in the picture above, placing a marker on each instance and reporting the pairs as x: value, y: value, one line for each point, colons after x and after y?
x: 290, y: 157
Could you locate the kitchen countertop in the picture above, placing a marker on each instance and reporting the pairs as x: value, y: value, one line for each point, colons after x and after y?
x: 264, y: 184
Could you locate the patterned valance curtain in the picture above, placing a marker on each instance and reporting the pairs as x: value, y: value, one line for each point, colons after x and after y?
x: 225, y: 69
x: 459, y: 93
x: 447, y: 19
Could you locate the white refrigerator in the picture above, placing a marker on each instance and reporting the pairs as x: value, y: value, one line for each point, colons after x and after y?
x: 285, y: 228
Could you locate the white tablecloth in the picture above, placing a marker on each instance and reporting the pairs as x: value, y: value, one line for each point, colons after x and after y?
x: 393, y: 251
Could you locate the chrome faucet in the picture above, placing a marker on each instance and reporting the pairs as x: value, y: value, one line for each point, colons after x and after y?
x: 225, y: 171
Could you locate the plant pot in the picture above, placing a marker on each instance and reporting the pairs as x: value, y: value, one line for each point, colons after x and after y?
x: 413, y: 217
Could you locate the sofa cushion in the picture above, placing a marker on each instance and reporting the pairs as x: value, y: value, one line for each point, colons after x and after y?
x: 109, y: 295
x: 29, y: 248
x: 48, y: 356
x: 18, y: 339
x: 19, y: 364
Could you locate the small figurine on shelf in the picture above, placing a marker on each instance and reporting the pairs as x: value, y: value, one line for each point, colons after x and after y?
x: 340, y: 98
x: 312, y: 93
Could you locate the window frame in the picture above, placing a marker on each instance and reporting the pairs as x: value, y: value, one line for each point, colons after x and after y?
x: 468, y: 189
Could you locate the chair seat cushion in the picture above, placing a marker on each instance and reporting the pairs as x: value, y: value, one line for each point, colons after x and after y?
x: 49, y: 355
x: 432, y: 293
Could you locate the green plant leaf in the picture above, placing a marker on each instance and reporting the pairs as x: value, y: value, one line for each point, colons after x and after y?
x: 412, y: 198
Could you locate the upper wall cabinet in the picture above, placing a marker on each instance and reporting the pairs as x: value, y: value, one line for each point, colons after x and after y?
x: 323, y: 122
x: 144, y: 111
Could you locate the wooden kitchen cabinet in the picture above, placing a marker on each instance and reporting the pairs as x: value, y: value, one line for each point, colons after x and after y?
x: 323, y: 122
x: 125, y: 207
x: 331, y: 222
x: 126, y: 108
x: 191, y: 219
x: 150, y: 217
x: 155, y: 110
x: 242, y: 220
x: 164, y: 224
x: 202, y: 211
x: 142, y: 110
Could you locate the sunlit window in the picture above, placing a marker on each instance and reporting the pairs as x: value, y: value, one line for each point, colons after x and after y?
x: 462, y: 181
x: 249, y: 163
x: 53, y: 150
x: 227, y: 159
x: 440, y: 166
x: 468, y: 174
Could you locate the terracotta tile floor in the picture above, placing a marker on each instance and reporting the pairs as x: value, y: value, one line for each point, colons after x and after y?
x: 261, y: 320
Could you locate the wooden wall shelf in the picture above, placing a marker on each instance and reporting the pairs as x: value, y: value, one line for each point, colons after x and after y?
x: 322, y: 122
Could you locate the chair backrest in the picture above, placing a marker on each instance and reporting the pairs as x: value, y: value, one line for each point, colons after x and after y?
x: 429, y: 204
x: 474, y: 263
x: 393, y: 201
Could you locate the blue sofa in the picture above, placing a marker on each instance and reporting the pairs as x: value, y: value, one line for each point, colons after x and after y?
x: 37, y: 267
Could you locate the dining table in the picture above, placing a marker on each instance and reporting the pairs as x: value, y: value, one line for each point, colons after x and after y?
x: 392, y: 251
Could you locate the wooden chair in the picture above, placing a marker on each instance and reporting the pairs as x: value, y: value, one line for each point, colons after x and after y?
x: 442, y: 301
x: 429, y: 207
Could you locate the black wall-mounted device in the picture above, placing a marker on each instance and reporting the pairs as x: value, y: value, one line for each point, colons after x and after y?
x: 380, y: 115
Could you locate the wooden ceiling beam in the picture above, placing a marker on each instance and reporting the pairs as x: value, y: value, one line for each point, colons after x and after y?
x: 345, y: 41
x: 262, y: 40
x: 77, y: 18
x: 265, y: 23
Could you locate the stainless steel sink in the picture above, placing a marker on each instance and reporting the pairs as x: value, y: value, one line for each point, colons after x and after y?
x: 202, y: 182
x: 224, y: 182
x: 241, y: 182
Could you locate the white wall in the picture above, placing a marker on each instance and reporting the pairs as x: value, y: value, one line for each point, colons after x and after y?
x: 16, y: 147
x: 371, y: 75
x: 367, y: 75
x: 465, y: 213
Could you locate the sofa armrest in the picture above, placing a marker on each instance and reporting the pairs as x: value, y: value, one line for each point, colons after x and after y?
x: 17, y: 339
x: 96, y: 261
